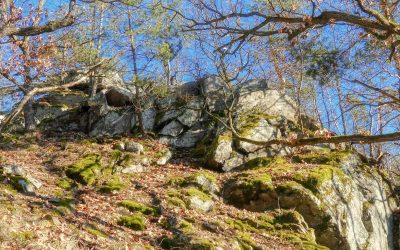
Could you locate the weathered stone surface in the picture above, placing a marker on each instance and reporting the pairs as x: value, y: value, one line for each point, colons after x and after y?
x: 260, y: 130
x: 45, y: 112
x: 200, y: 204
x: 118, y: 97
x: 35, y: 183
x: 189, y: 89
x: 190, y: 117
x: 190, y: 137
x: 214, y: 91
x: 68, y: 99
x: 20, y: 179
x: 111, y: 79
x: 168, y: 102
x: 340, y: 199
x: 253, y: 97
x: 149, y: 118
x: 115, y: 122
x: 134, y: 147
x: 13, y: 170
x: 204, y: 181
x: 173, y: 128
x: 235, y: 161
x: 169, y: 115
x: 167, y: 155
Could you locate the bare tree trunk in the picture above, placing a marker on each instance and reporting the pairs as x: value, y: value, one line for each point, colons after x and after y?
x: 93, y: 83
x: 29, y: 116
x: 138, y: 105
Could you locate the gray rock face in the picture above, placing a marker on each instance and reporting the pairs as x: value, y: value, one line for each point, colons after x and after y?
x: 189, y: 138
x: 115, y: 122
x: 214, y: 91
x: 261, y: 131
x: 168, y: 102
x: 203, y: 182
x: 23, y: 181
x: 25, y: 186
x: 348, y: 206
x: 149, y: 118
x: 174, y: 128
x: 118, y: 97
x: 169, y: 115
x: 221, y: 152
x: 190, y: 117
x: 111, y: 79
x: 272, y: 102
x: 14, y: 170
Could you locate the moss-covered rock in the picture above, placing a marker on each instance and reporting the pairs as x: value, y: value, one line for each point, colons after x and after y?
x: 66, y: 183
x: 219, y: 151
x: 134, y: 206
x: 328, y: 188
x: 288, y: 225
x: 111, y: 186
x: 85, y: 170
x: 204, y: 181
x: 21, y: 184
x: 190, y: 197
x: 135, y: 222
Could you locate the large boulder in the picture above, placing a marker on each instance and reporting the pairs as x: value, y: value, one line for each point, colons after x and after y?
x: 118, y: 97
x: 215, y: 92
x: 174, y: 128
x: 256, y: 127
x: 347, y: 204
x: 254, y: 96
x: 55, y: 107
x: 114, y: 122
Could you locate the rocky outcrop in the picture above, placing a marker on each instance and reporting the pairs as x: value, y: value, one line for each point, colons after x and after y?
x: 347, y: 203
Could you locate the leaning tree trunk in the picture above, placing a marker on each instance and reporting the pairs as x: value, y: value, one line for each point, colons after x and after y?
x: 29, y: 116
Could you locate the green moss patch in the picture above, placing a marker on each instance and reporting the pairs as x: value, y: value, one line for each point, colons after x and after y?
x: 248, y: 122
x: 285, y: 224
x: 111, y: 186
x: 135, y: 222
x: 85, y: 170
x: 137, y: 207
x: 202, y: 244
x: 322, y: 157
x: 314, y: 178
x: 182, y: 198
x: 66, y: 183
x: 92, y: 229
x: 205, y: 182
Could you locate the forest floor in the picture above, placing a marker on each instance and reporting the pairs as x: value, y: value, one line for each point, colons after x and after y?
x: 81, y: 217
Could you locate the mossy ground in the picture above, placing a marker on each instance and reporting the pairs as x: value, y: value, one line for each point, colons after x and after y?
x: 85, y: 170
x: 134, y: 222
x: 137, y: 207
x: 90, y: 218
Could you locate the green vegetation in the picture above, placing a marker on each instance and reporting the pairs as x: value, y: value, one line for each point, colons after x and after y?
x: 92, y: 229
x: 66, y: 183
x: 85, y: 170
x: 137, y: 207
x: 286, y: 224
x: 112, y: 186
x: 135, y: 222
x: 202, y: 244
